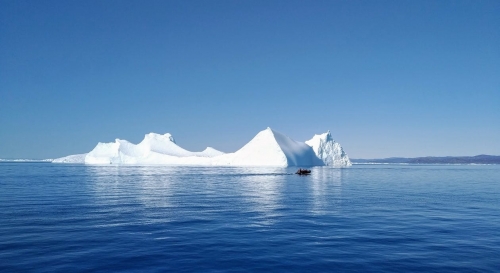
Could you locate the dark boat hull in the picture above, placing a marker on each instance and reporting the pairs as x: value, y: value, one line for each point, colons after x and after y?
x: 303, y: 172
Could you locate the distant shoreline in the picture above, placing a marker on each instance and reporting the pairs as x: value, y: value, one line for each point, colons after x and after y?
x: 458, y: 160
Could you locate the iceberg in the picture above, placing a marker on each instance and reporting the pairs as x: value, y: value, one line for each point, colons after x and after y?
x: 267, y: 148
x: 24, y: 160
x: 329, y: 151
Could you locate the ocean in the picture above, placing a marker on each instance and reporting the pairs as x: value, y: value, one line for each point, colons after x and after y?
x: 367, y: 218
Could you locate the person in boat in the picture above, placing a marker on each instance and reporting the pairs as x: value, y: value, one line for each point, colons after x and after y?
x: 303, y: 171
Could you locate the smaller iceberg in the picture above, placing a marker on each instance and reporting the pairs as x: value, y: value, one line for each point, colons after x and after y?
x: 329, y: 151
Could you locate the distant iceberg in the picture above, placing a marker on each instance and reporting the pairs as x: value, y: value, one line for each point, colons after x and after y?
x: 267, y: 148
x: 21, y: 160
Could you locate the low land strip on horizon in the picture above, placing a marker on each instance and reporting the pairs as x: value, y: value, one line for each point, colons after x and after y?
x: 478, y: 159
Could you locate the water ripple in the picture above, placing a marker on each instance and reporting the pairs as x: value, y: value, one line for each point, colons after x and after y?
x: 72, y: 218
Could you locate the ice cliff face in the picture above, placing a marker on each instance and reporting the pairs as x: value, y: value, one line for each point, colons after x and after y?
x: 329, y: 151
x: 267, y: 148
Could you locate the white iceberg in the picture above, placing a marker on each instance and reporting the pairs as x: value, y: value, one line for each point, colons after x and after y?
x: 267, y: 148
x: 329, y: 151
x: 23, y: 160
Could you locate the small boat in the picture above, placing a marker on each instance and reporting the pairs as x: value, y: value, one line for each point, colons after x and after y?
x: 303, y: 172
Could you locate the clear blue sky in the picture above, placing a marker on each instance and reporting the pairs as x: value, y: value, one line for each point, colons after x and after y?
x: 388, y: 78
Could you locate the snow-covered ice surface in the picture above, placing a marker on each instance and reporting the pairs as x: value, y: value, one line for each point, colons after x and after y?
x: 153, y: 149
x: 79, y: 158
x: 267, y: 148
x: 271, y: 148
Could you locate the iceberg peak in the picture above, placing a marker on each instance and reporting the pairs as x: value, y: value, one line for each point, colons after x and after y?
x: 158, y: 137
x: 170, y: 137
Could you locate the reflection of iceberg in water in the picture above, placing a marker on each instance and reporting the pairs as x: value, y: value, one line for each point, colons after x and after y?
x: 121, y: 188
x: 326, y: 189
x: 105, y: 184
x: 261, y: 188
x: 156, y: 186
x: 152, y: 194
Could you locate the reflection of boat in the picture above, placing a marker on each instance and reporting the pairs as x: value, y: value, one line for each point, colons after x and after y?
x: 303, y: 172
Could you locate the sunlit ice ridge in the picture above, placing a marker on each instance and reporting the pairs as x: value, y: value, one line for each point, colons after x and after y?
x: 267, y: 148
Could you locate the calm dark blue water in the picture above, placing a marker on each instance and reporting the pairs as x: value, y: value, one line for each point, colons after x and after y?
x: 385, y: 218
